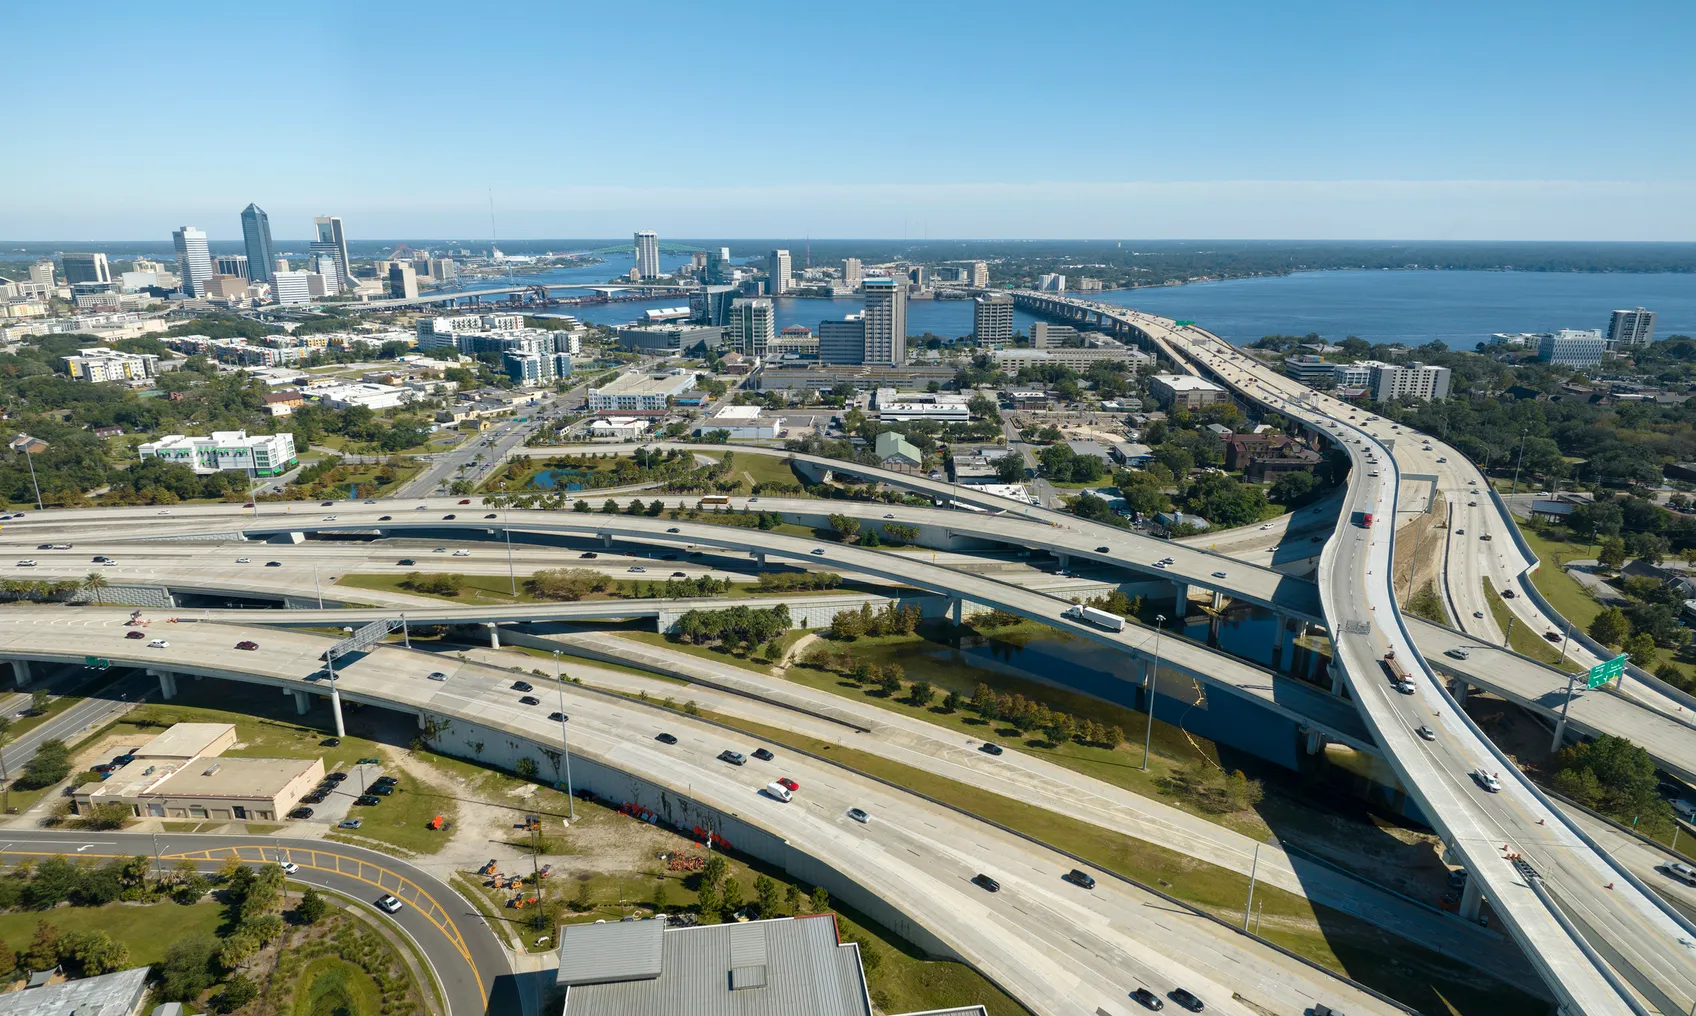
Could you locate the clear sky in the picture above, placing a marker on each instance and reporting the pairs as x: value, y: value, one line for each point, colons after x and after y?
x: 1541, y: 119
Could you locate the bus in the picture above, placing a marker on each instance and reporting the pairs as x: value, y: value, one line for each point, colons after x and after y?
x: 714, y: 500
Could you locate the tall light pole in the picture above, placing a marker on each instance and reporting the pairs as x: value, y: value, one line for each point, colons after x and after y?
x: 31, y: 459
x: 1521, y: 461
x: 1253, y: 870
x: 565, y: 742
x: 317, y: 588
x: 506, y: 523
x: 1153, y: 682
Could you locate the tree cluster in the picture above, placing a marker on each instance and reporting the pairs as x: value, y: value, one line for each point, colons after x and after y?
x: 890, y: 619
x: 733, y: 627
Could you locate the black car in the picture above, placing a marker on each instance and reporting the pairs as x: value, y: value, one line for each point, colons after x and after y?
x: 326, y: 504
x: 1148, y: 998
x: 674, y: 529
x: 334, y: 777
x: 589, y: 554
x: 301, y: 813
x: 330, y: 742
x: 446, y: 517
x: 763, y: 755
x: 273, y: 564
x: 1080, y: 878
x: 735, y: 758
x: 529, y: 700
x: 1102, y: 550
x: 1186, y: 999
x: 985, y: 882
x: 522, y: 686
x: 490, y: 515
x: 382, y: 790
x: 990, y: 748
x: 385, y: 781
x: 44, y: 546
x: 316, y: 797
x: 558, y: 717
x: 384, y: 518
x: 405, y: 562
x: 367, y: 800
x: 666, y: 738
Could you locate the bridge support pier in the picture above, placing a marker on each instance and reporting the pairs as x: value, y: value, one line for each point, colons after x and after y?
x: 606, y: 539
x: 1336, y: 678
x: 1280, y: 635
x: 1459, y: 690
x: 302, y: 703
x: 1471, y: 898
x: 1315, y: 742
x: 1065, y: 561
x: 1218, y: 600
x: 336, y: 708
x: 20, y: 673
x: 422, y: 723
x: 759, y: 557
x: 167, y: 683
x: 494, y: 634
x: 1181, y: 600
x: 957, y: 611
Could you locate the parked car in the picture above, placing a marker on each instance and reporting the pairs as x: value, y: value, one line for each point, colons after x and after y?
x: 381, y: 789
x: 301, y: 813
x: 350, y: 823
x: 330, y: 742
x: 985, y: 882
x: 334, y: 777
x: 370, y: 760
x: 665, y: 738
x: 386, y: 781
x: 367, y: 800
x: 316, y: 797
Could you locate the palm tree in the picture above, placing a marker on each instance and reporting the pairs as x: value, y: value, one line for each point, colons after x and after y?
x: 93, y: 584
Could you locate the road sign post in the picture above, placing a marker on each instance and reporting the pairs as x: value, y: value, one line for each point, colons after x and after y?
x: 1606, y: 671
x: 96, y: 661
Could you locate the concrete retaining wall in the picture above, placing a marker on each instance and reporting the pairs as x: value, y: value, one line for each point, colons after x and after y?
x: 652, y: 803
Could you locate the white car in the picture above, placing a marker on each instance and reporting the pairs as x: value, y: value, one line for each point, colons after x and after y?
x: 388, y: 904
x: 1457, y: 653
x: 436, y: 675
x: 1267, y: 526
x: 1683, y: 872
x: 27, y: 562
x: 329, y: 518
x: 244, y: 560
x: 1218, y: 574
x: 289, y: 867
x: 164, y: 511
x: 462, y: 553
x: 1488, y: 782
x: 159, y: 644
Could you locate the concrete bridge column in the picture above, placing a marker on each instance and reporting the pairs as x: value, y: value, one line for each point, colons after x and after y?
x: 957, y: 611
x: 494, y: 634
x: 1181, y: 600
x: 1315, y: 742
x: 1336, y: 678
x: 302, y: 703
x: 1064, y: 559
x: 20, y: 673
x: 1459, y: 689
x: 1471, y: 898
x: 336, y: 708
x: 759, y: 557
x: 1218, y: 599
x: 422, y: 722
x: 167, y: 683
x: 1280, y: 635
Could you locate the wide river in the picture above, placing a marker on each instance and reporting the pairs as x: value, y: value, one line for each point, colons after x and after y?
x: 1411, y: 307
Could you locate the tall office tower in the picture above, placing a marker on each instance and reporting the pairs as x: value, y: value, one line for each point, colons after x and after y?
x: 698, y: 261
x: 194, y: 262
x: 886, y: 322
x: 992, y: 319
x: 86, y: 268
x: 281, y: 265
x: 1628, y: 327
x: 323, y: 265
x: 232, y: 264
x: 647, y: 254
x: 980, y: 274
x: 777, y: 266
x: 851, y: 272
x: 843, y: 341
x: 403, y: 281
x: 290, y: 288
x: 751, y: 327
x: 256, y: 234
x: 41, y: 273
x: 333, y: 240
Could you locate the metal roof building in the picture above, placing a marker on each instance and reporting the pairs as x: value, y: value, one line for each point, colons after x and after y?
x: 788, y: 966
x: 118, y: 994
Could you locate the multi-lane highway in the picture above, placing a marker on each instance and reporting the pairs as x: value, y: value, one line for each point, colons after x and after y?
x: 1061, y: 949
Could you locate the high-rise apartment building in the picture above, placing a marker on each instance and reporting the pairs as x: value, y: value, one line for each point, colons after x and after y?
x: 992, y: 319
x: 980, y: 274
x: 751, y: 327
x: 844, y: 341
x: 403, y: 281
x: 41, y: 273
x: 886, y: 322
x: 194, y: 261
x: 647, y: 254
x: 93, y: 268
x: 1628, y: 327
x: 332, y: 240
x: 1410, y: 381
x: 777, y: 267
x: 290, y: 288
x: 1573, y: 347
x: 1055, y: 283
x: 256, y: 234
x: 232, y: 264
x: 851, y: 272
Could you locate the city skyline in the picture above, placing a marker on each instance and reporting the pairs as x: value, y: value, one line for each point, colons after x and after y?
x: 1322, y: 122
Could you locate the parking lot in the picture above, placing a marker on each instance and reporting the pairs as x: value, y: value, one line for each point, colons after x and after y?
x: 338, y: 803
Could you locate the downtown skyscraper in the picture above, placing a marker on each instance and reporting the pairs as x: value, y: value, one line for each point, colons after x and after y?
x: 886, y: 322
x: 194, y: 260
x: 332, y: 240
x: 261, y: 253
x: 647, y: 254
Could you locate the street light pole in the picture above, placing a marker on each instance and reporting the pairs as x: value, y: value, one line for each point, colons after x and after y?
x: 1520, y: 462
x: 565, y: 742
x: 1153, y: 682
x: 1253, y: 870
x: 506, y: 522
x: 317, y: 588
x: 1560, y: 727
x: 31, y: 459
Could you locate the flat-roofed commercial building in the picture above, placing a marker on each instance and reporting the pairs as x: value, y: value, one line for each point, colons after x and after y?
x: 185, y: 741
x: 741, y: 422
x: 228, y: 789
x: 263, y: 454
x: 1185, y: 391
x: 992, y: 319
x: 640, y: 392
x: 1573, y: 347
x: 793, y: 966
x: 1010, y: 360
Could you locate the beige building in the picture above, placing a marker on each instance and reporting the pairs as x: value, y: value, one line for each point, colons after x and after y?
x: 179, y: 774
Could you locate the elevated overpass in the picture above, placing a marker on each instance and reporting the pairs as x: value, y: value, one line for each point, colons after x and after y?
x: 1060, y: 950
x: 446, y: 298
x: 1602, y: 940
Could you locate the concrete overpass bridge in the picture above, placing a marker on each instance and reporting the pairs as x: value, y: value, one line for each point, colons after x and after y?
x: 542, y: 290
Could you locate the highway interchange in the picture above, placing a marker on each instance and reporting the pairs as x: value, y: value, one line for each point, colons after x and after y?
x: 1354, y: 567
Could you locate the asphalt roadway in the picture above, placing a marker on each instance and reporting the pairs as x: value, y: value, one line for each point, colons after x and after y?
x: 468, y: 960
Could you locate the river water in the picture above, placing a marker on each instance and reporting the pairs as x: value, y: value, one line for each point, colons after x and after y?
x: 1411, y: 307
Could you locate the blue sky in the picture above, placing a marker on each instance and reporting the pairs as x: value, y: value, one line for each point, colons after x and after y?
x: 1505, y: 120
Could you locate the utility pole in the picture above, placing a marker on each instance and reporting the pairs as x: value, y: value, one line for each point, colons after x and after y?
x: 1153, y: 682
x: 31, y: 460
x: 1254, y: 869
x: 1523, y: 432
x: 564, y: 742
x: 506, y: 521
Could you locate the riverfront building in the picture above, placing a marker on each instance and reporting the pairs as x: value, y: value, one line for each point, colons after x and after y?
x: 777, y: 267
x: 93, y: 268
x: 844, y: 341
x: 1627, y: 328
x: 1411, y: 381
x: 752, y: 327
x: 886, y: 322
x: 332, y: 240
x: 647, y: 254
x: 992, y: 319
x: 1573, y: 347
x: 194, y: 262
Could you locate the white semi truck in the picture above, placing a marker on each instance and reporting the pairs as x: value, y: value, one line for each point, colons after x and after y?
x: 1099, y: 618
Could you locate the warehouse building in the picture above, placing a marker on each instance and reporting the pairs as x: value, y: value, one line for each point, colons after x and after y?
x: 179, y: 775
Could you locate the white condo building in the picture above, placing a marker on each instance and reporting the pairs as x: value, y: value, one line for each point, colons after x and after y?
x: 980, y: 274
x: 992, y: 319
x: 1406, y: 381
x: 1573, y: 347
x: 886, y: 322
x: 751, y: 328
x: 103, y: 363
x: 194, y: 261
x: 851, y: 272
x: 1627, y: 328
x: 262, y: 454
x: 647, y: 254
x: 778, y: 268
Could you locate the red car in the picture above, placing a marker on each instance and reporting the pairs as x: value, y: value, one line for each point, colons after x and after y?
x: 788, y: 784
x: 135, y: 634
x: 247, y: 645
x: 464, y: 500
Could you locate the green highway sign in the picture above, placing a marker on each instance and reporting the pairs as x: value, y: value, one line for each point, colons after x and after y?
x: 1182, y: 324
x: 95, y: 661
x: 1604, y: 672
